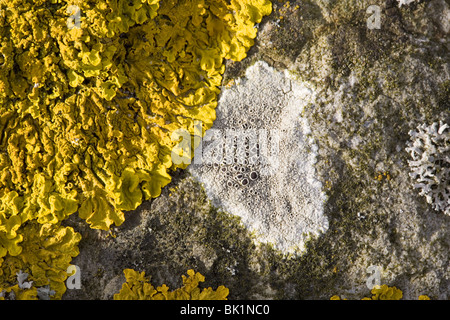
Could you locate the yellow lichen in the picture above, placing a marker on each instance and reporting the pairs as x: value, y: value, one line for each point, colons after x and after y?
x: 46, y: 255
x: 91, y: 93
x: 383, y: 176
x: 138, y: 287
x: 384, y: 292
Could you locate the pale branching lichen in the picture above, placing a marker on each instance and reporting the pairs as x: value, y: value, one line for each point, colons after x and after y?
x: 138, y: 287
x: 90, y: 95
x: 430, y: 165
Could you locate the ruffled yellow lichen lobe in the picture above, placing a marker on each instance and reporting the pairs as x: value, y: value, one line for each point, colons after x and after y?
x: 10, y: 222
x: 45, y: 257
x: 385, y: 292
x: 248, y: 13
x: 138, y: 287
x: 48, y: 251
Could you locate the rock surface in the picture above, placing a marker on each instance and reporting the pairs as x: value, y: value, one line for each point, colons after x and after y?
x: 372, y: 87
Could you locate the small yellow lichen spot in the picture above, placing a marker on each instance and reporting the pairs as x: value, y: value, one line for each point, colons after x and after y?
x: 230, y: 83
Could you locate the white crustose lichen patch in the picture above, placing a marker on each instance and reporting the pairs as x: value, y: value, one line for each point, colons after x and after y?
x: 257, y: 162
x: 404, y: 2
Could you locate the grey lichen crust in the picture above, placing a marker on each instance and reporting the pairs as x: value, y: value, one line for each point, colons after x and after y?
x: 258, y: 159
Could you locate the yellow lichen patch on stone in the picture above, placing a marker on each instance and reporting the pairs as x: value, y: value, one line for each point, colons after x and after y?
x: 138, y: 287
x: 45, y: 257
x: 385, y: 292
